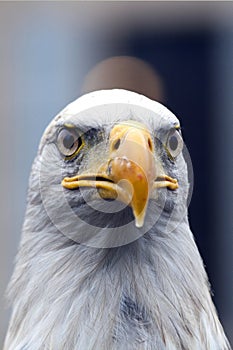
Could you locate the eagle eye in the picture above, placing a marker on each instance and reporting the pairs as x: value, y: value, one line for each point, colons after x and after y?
x: 174, y: 143
x: 68, y: 142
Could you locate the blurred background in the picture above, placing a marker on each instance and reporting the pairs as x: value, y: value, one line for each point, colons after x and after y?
x: 180, y: 53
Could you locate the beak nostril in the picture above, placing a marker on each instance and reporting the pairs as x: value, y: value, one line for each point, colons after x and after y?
x: 150, y: 144
x: 117, y: 144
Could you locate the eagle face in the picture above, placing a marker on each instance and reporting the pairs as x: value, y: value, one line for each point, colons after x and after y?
x: 113, y: 169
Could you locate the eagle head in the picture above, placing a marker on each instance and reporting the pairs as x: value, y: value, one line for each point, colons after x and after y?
x: 107, y: 259
x: 112, y: 162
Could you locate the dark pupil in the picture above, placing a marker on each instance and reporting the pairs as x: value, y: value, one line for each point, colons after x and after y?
x: 173, y: 143
x: 117, y: 144
x: 68, y: 141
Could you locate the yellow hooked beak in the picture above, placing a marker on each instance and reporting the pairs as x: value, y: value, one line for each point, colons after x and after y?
x: 131, y: 172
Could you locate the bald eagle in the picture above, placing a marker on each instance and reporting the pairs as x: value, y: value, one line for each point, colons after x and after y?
x: 107, y: 259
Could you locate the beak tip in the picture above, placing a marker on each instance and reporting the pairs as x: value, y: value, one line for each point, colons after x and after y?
x: 139, y: 224
x: 139, y: 220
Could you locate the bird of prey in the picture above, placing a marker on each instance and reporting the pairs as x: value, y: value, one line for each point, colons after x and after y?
x: 107, y: 259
